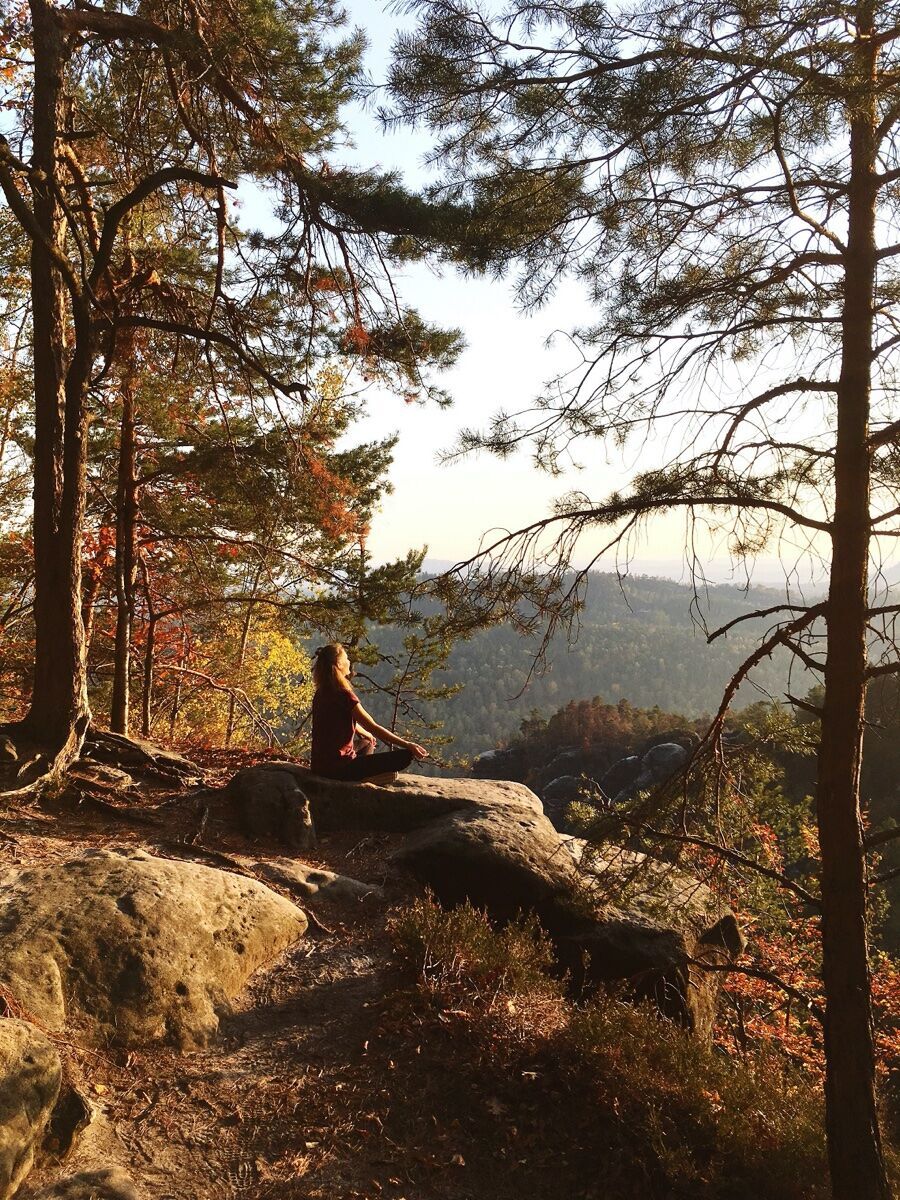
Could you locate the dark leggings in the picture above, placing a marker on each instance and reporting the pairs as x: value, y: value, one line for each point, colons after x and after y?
x: 364, y: 766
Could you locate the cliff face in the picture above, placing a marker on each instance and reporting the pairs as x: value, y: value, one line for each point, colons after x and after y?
x: 120, y: 959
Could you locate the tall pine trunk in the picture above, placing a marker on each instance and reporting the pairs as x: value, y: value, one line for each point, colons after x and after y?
x: 149, y: 651
x: 59, y: 713
x: 242, y: 654
x: 126, y: 560
x: 854, y: 1143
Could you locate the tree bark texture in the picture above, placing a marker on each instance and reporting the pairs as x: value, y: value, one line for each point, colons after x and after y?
x: 59, y: 713
x: 854, y: 1142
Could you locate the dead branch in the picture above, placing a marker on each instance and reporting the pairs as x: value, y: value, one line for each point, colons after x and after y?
x: 812, y: 1006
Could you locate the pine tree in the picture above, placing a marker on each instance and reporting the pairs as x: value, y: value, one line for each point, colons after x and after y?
x: 148, y: 115
x: 724, y: 181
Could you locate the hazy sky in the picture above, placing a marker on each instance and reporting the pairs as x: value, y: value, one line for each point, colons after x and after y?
x: 449, y: 507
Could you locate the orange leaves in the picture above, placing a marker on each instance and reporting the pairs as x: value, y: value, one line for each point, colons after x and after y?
x: 98, y: 546
x: 356, y: 340
x: 767, y: 839
x: 332, y: 497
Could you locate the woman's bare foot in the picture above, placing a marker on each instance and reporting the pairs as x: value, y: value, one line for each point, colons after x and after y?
x: 381, y: 780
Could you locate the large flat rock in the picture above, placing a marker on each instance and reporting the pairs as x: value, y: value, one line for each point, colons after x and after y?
x: 412, y: 801
x: 613, y: 915
x: 135, y: 949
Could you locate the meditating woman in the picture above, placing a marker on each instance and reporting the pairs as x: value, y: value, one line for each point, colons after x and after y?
x: 338, y: 719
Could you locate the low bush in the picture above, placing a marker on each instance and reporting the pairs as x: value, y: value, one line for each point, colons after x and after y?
x: 733, y: 1127
x: 660, y: 1114
x: 457, y: 955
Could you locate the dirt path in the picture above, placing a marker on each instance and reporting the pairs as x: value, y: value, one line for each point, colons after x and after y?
x: 326, y: 1082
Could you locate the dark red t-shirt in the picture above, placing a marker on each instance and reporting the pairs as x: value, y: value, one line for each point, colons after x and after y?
x: 332, y: 728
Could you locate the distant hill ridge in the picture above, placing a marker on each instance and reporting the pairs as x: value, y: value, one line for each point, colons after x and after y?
x: 639, y: 638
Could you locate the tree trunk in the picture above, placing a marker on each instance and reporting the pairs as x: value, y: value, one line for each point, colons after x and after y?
x: 854, y: 1142
x: 126, y: 560
x: 242, y: 654
x: 59, y: 713
x: 176, y: 702
x: 149, y: 650
x: 91, y: 580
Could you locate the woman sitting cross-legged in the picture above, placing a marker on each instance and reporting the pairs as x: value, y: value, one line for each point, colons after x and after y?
x: 338, y: 717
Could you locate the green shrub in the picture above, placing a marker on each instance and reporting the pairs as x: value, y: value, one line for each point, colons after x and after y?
x: 738, y: 1127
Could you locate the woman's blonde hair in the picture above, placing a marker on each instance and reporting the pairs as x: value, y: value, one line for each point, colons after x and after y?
x: 325, y: 671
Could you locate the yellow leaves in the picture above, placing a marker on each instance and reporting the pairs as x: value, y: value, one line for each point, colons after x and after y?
x: 271, y: 681
x: 277, y: 673
x: 330, y: 382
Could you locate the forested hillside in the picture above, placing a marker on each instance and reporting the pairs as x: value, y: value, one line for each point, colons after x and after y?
x: 643, y: 640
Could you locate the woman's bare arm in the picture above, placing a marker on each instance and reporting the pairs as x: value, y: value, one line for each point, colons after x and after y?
x: 362, y: 718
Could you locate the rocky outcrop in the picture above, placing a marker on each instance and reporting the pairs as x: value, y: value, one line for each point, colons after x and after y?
x: 305, y: 882
x: 410, y: 802
x: 270, y: 804
x: 655, y: 766
x: 501, y: 854
x: 30, y: 1074
x: 498, y: 764
x: 614, y: 916
x: 657, y: 927
x: 135, y: 949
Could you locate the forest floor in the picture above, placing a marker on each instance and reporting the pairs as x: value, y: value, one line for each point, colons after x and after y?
x: 329, y: 1079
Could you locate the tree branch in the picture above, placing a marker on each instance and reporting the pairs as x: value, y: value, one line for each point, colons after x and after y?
x: 874, y: 840
x: 201, y: 334
x: 138, y: 195
x: 813, y: 1007
x: 736, y: 858
x: 758, y: 613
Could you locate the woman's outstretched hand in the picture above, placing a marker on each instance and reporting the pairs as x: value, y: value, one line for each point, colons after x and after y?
x: 417, y: 750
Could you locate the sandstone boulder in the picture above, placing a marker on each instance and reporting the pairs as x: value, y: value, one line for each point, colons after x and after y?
x: 410, y: 803
x: 506, y: 858
x: 654, y: 925
x: 305, y: 881
x: 613, y: 915
x: 136, y: 949
x: 30, y: 1073
x: 270, y: 804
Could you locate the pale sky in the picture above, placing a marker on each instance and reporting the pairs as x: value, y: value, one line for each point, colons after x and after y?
x: 449, y: 507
